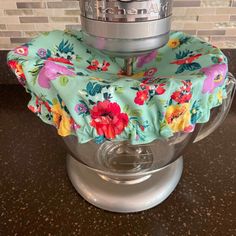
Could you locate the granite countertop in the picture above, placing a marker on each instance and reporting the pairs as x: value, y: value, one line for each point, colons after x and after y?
x: 37, y: 197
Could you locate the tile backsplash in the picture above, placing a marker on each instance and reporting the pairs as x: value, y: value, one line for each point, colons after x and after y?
x: 20, y: 20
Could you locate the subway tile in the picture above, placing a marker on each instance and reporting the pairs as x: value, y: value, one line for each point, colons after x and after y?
x: 233, y: 18
x: 204, y: 38
x: 177, y: 25
x: 27, y: 34
x: 72, y: 12
x: 187, y: 3
x: 216, y: 3
x: 211, y: 32
x: 225, y: 25
x: 67, y: 4
x: 184, y: 18
x: 179, y: 11
x: 73, y: 27
x: 198, y: 25
x: 10, y: 33
x: 2, y: 27
x: 198, y: 11
x: 11, y: 19
x: 35, y: 19
x: 230, y: 31
x: 18, y: 12
x: 7, y: 46
x: 20, y: 40
x: 64, y: 19
x: 224, y: 42
x: 31, y: 5
x: 51, y: 26
x: 4, y: 40
x: 48, y: 12
x: 190, y: 32
x: 223, y: 38
x: 226, y: 10
x: 20, y: 26
x: 214, y: 18
x: 8, y: 5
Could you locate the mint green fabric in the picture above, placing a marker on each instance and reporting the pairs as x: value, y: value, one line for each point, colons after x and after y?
x: 83, y: 92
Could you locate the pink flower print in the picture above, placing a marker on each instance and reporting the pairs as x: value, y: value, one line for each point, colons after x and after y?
x: 42, y: 52
x: 23, y: 50
x: 215, y: 77
x: 150, y: 72
x: 81, y: 108
x: 144, y: 59
x: 51, y: 71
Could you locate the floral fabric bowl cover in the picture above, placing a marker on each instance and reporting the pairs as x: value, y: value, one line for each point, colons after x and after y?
x: 83, y: 92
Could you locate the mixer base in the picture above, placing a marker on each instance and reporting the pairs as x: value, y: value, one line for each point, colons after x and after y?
x: 124, y: 198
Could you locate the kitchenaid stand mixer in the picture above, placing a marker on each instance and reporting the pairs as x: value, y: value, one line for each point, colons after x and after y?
x: 125, y: 110
x: 126, y: 28
x: 118, y: 176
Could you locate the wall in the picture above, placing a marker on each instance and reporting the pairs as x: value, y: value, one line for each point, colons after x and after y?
x: 20, y: 20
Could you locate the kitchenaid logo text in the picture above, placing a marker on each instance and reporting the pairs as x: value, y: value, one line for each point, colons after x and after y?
x: 151, y: 7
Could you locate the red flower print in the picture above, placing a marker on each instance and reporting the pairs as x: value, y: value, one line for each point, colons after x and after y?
x: 39, y: 105
x: 179, y: 97
x: 17, y: 69
x: 96, y: 66
x: 150, y: 72
x: 31, y: 108
x: 160, y: 90
x: 105, y: 65
x: 108, y: 119
x: 176, y: 95
x: 146, y: 81
x: 187, y: 85
x: 183, y: 95
x: 93, y: 65
x: 141, y: 97
x: 60, y: 59
x: 188, y: 60
x: 144, y: 86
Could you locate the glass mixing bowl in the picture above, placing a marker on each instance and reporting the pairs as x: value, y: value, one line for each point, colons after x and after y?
x: 120, y: 163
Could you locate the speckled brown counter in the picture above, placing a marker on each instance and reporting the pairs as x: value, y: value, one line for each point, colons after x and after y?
x: 37, y: 197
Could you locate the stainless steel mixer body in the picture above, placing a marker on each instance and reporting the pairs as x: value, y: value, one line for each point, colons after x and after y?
x: 126, y: 27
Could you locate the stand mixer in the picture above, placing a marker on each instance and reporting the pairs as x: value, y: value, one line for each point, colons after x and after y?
x: 126, y: 111
x: 118, y: 176
x: 126, y: 28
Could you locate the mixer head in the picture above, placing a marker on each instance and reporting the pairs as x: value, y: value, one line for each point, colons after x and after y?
x: 126, y: 28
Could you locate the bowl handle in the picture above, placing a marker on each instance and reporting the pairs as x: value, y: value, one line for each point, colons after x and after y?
x: 218, y: 114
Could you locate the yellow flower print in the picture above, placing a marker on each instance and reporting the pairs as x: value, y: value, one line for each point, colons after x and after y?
x: 173, y: 43
x: 220, y: 96
x: 178, y: 117
x: 138, y: 75
x: 61, y: 119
